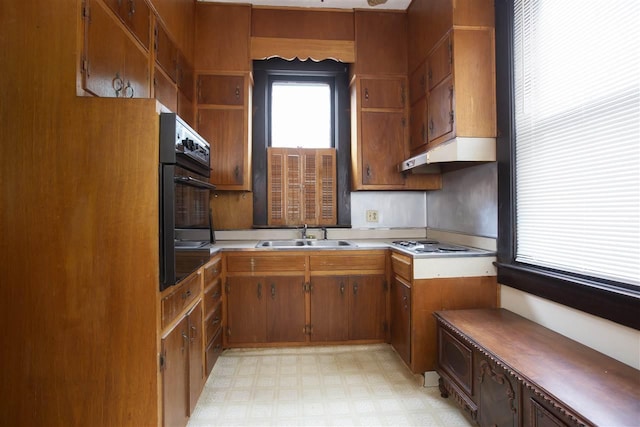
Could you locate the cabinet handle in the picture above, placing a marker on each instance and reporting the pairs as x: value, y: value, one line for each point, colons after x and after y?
x: 431, y: 125
x: 430, y: 75
x: 342, y: 288
x: 368, y: 171
x: 128, y: 90
x: 259, y: 290
x: 187, y: 294
x: 237, y: 92
x: 366, y: 93
x: 132, y: 8
x: 355, y: 288
x: 216, y: 295
x: 194, y: 333
x: 273, y: 290
x: 236, y: 172
x: 403, y: 96
x: 117, y: 84
x: 215, y: 320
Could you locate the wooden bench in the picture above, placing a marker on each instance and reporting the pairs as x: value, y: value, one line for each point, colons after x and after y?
x: 505, y: 370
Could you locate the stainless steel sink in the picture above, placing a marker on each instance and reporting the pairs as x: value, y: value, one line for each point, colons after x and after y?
x: 329, y: 243
x: 188, y: 244
x: 280, y: 243
x: 304, y: 243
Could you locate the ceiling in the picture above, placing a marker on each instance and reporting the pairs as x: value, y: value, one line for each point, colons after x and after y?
x: 324, y: 4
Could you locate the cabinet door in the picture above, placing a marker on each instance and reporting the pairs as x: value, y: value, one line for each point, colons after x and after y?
x: 136, y: 16
x: 166, y: 52
x: 382, y: 93
x: 196, y: 355
x: 246, y: 310
x: 285, y: 309
x: 165, y: 91
x: 224, y: 130
x: 440, y: 62
x: 440, y: 110
x: 220, y: 90
x: 418, y: 83
x: 175, y: 350
x: 382, y: 142
x: 136, y: 71
x: 418, y: 126
x: 104, y: 43
x: 401, y: 318
x: 329, y: 308
x: 366, y: 307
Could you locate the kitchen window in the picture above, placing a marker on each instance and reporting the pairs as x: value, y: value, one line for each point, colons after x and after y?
x: 301, y: 149
x: 569, y: 153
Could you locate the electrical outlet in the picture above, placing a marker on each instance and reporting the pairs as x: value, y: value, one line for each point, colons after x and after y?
x: 372, y: 216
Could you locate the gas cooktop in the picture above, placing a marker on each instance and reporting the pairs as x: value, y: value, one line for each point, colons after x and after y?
x: 434, y: 247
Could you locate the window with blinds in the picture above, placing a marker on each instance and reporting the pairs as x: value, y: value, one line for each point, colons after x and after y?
x: 577, y: 136
x: 301, y: 186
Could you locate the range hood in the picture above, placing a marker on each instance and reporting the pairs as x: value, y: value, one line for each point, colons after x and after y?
x: 458, y: 149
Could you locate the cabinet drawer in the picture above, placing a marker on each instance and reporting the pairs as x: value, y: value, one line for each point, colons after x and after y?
x: 212, y: 270
x: 343, y: 261
x: 402, y: 265
x: 212, y: 322
x: 185, y: 293
x: 276, y: 263
x: 220, y: 90
x: 212, y: 296
x: 214, y: 349
x: 455, y: 359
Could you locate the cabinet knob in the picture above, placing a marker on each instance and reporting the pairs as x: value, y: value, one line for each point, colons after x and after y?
x: 237, y: 92
x: 273, y: 290
x: 366, y: 93
x: 355, y: 288
x: 342, y: 288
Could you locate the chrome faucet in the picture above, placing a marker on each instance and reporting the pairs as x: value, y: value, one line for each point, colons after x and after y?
x: 324, y: 233
x: 303, y: 232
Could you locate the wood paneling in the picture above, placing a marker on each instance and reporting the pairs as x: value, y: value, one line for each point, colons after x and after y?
x: 222, y: 37
x: 232, y: 210
x: 381, y: 42
x: 178, y: 17
x: 302, y: 24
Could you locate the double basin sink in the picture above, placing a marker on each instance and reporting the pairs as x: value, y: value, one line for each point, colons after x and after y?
x: 305, y: 243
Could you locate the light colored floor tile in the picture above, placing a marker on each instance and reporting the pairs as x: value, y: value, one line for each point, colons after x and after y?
x: 366, y: 385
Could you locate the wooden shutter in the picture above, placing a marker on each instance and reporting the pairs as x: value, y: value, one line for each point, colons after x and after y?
x: 301, y: 186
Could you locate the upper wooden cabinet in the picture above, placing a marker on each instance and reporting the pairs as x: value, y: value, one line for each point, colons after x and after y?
x: 381, y: 42
x: 220, y: 89
x: 223, y: 108
x: 462, y: 86
x: 383, y: 93
x: 222, y: 34
x: 113, y: 64
x: 166, y: 51
x: 136, y: 15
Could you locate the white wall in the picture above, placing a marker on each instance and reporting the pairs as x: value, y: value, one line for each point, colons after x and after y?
x: 617, y: 341
x: 396, y: 209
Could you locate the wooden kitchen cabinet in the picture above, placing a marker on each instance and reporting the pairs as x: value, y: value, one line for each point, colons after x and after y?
x: 223, y: 107
x: 348, y: 308
x: 212, y: 298
x: 367, y: 307
x: 265, y: 309
x: 136, y: 15
x: 426, y: 296
x: 381, y: 42
x: 114, y: 64
x: 462, y: 86
x: 379, y: 133
x: 196, y: 355
x: 175, y: 362
x: 418, y: 127
x: 329, y: 308
x: 165, y: 90
x: 166, y: 52
x: 401, y: 318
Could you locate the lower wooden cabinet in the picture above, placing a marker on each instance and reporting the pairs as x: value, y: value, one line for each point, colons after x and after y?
x: 401, y: 318
x: 265, y: 309
x: 175, y: 359
x: 348, y: 308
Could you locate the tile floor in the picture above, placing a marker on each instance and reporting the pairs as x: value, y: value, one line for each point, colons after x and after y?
x: 365, y: 385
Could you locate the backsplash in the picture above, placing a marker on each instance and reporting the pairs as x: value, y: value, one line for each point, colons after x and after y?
x: 395, y: 209
x: 467, y: 203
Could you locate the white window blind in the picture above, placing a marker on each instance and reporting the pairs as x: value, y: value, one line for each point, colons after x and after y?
x: 577, y: 149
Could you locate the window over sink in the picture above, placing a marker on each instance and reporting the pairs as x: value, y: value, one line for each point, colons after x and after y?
x: 301, y: 149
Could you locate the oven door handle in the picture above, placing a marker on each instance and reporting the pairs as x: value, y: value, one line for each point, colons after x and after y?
x: 187, y: 180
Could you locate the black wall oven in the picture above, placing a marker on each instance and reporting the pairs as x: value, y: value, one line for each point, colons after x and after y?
x: 184, y: 198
